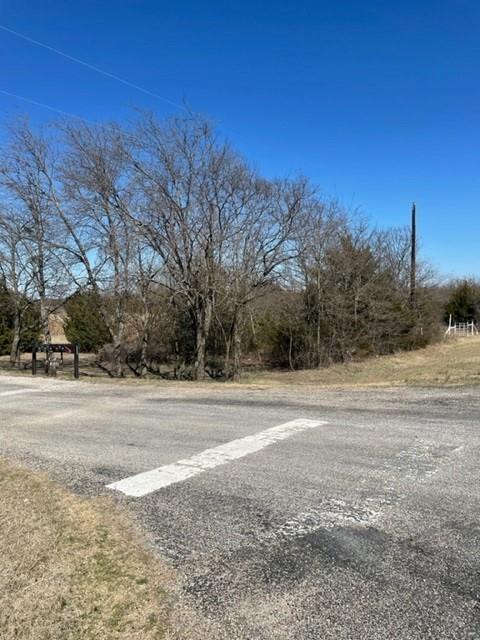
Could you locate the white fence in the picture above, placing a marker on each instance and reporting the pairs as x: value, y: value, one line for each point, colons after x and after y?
x: 461, y: 330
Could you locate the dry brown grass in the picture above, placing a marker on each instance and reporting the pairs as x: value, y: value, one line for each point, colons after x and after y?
x: 71, y: 568
x: 451, y: 362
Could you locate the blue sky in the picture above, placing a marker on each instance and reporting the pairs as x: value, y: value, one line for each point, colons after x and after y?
x: 377, y: 101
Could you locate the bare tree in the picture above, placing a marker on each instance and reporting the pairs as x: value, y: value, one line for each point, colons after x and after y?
x: 179, y: 240
x: 147, y: 283
x: 95, y: 209
x: 260, y: 246
x: 24, y: 166
x: 17, y: 276
x: 318, y: 230
x: 184, y: 174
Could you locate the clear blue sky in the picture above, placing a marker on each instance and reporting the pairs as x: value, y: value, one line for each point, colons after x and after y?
x: 377, y: 101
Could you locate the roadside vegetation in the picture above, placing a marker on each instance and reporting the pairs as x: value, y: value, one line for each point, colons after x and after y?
x: 71, y: 568
x: 168, y: 255
x: 451, y: 362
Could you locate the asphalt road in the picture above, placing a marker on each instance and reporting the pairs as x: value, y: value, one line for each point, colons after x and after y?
x: 366, y: 526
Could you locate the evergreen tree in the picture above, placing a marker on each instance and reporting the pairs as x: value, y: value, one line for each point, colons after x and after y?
x: 29, y: 322
x: 85, y: 324
x: 464, y: 302
x: 6, y: 320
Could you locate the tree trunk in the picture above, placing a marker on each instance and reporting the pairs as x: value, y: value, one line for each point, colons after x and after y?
x: 143, y: 353
x: 15, y: 344
x: 47, y: 338
x: 44, y: 317
x: 200, y: 348
x: 145, y: 320
x: 290, y: 350
x: 118, y: 333
x: 237, y: 348
x: 118, y: 351
x: 203, y: 319
x: 254, y: 335
x: 228, y: 344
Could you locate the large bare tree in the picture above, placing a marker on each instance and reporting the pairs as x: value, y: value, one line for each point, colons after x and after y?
x: 95, y: 206
x: 185, y: 176
x: 26, y: 162
x: 260, y: 246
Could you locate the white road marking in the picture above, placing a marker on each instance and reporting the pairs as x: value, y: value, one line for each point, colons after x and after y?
x: 149, y: 481
x: 15, y: 392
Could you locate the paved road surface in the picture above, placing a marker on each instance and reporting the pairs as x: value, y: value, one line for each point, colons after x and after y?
x: 360, y: 521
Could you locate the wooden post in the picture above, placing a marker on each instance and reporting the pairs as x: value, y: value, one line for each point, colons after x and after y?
x: 34, y: 359
x: 76, y: 357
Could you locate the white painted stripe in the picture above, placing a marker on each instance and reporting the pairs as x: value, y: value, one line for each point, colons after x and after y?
x: 15, y: 392
x: 144, y: 483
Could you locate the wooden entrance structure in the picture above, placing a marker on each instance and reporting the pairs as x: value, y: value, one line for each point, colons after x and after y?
x: 51, y: 364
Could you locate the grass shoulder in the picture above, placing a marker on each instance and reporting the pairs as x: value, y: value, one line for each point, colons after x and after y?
x: 451, y: 362
x: 73, y: 569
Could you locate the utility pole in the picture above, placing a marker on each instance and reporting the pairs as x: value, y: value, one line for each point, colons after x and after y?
x: 413, y: 260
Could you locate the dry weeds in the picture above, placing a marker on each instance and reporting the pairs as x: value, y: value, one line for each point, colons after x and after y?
x: 72, y: 569
x: 451, y: 362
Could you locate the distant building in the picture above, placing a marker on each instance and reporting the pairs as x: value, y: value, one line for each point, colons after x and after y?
x: 56, y: 325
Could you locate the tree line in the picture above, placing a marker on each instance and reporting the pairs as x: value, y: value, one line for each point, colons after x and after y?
x: 173, y: 256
